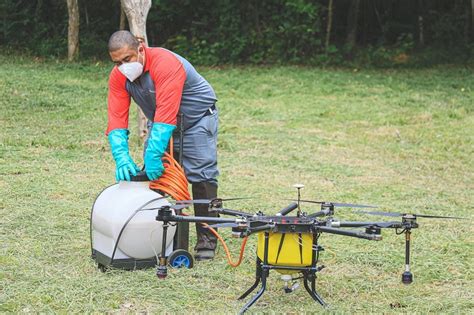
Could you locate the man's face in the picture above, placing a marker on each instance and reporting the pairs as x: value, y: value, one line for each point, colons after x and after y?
x: 125, y: 55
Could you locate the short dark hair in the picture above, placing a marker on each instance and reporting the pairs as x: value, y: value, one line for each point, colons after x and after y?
x: 121, y: 39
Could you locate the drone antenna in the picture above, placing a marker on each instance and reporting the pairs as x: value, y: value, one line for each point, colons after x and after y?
x: 299, y: 187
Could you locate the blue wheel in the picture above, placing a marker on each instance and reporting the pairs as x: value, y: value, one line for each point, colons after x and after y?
x: 180, y: 258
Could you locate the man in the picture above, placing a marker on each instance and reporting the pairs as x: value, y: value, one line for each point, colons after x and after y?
x: 167, y: 88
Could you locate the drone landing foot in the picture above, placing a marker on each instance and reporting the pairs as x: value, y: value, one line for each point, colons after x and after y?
x: 256, y: 296
x: 312, y: 291
x: 258, y: 276
x: 243, y: 296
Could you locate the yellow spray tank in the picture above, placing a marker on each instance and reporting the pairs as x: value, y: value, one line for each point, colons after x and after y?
x: 286, y: 249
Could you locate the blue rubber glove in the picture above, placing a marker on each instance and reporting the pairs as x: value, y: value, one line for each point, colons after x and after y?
x: 160, y: 135
x: 124, y: 165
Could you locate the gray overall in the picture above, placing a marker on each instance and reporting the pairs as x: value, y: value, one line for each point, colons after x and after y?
x: 199, y: 157
x: 200, y: 121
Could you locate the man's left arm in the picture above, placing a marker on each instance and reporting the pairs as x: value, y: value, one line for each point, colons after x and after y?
x: 169, y: 76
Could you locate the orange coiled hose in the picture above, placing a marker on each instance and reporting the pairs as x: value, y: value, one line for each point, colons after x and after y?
x: 173, y: 182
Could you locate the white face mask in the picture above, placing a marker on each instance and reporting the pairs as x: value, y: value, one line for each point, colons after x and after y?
x: 131, y: 70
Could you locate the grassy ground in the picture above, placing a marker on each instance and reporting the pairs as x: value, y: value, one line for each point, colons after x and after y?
x: 401, y: 139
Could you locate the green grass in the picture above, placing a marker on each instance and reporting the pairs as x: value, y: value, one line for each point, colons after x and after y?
x: 401, y: 139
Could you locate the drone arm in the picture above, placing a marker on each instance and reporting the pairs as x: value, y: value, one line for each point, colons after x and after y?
x: 233, y: 212
x: 292, y: 206
x: 357, y: 234
x: 321, y: 213
x: 181, y: 218
x: 261, y: 228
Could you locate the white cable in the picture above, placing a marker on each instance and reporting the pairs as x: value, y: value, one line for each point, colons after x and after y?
x: 297, y: 240
x: 151, y: 243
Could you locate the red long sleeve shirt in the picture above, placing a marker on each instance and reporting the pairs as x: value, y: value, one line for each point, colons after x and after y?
x: 168, y: 76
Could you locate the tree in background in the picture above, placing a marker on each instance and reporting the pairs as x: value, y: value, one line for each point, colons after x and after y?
x: 258, y: 32
x: 137, y: 12
x: 73, y: 30
x: 472, y: 18
x: 329, y: 25
x: 352, y: 24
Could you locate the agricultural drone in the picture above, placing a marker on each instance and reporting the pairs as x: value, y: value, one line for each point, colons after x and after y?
x: 287, y: 243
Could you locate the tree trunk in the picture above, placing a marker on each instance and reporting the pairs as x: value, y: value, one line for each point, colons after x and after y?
x: 352, y: 22
x: 73, y: 30
x: 421, y: 24
x: 137, y: 12
x: 472, y: 19
x: 123, y: 19
x: 329, y: 25
x: 86, y: 15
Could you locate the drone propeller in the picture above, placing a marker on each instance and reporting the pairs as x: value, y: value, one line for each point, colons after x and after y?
x: 336, y: 204
x: 397, y: 214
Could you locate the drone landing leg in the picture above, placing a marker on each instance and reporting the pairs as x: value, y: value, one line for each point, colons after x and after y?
x: 258, y: 295
x: 262, y: 273
x: 312, y: 292
x: 258, y: 276
x: 310, y: 276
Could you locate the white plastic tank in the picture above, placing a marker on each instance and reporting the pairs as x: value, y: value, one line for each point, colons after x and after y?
x: 121, y: 226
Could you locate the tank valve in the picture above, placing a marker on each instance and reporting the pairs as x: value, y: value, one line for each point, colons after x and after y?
x: 287, y: 288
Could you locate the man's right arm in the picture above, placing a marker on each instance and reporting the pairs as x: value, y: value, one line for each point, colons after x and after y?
x: 117, y: 129
x: 118, y: 102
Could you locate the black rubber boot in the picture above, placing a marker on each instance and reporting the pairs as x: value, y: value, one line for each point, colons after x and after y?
x: 206, y: 241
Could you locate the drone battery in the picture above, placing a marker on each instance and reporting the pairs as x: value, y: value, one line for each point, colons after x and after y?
x: 287, y: 249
